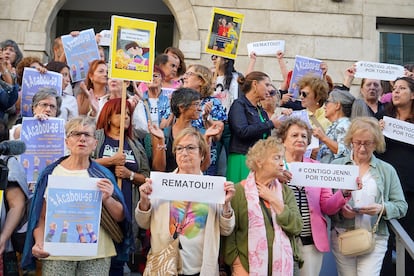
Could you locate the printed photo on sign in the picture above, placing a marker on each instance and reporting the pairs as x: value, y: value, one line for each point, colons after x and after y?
x: 73, y: 215
x: 398, y: 130
x: 188, y: 187
x: 224, y: 33
x: 32, y: 82
x: 132, y: 49
x: 80, y: 50
x: 303, y: 66
x: 378, y: 71
x: 324, y: 175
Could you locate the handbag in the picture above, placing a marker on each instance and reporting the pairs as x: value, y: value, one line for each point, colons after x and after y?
x: 168, y: 260
x: 111, y: 226
x: 359, y: 241
x: 165, y: 262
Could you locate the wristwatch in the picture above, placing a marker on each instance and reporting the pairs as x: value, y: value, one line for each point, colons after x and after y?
x: 131, y: 177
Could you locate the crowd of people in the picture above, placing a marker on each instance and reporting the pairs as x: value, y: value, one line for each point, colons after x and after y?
x: 210, y: 119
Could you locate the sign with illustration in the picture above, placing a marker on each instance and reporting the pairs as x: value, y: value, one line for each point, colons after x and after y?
x: 32, y: 81
x: 73, y: 215
x: 224, y: 33
x: 188, y: 187
x: 132, y: 49
x: 80, y: 50
x: 303, y: 66
x: 45, y: 143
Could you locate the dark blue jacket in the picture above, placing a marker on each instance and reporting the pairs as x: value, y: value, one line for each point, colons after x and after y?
x: 245, y: 125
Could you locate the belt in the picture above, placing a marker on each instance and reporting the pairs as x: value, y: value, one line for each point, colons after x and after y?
x: 307, y: 240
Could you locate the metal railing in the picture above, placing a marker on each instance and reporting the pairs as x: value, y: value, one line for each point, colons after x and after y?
x: 403, y: 243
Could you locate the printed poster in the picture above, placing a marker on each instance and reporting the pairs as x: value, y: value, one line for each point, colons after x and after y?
x: 45, y: 143
x: 80, y: 51
x: 303, y: 66
x: 378, y: 71
x: 132, y: 49
x: 73, y: 215
x: 187, y: 187
x: 224, y: 33
x: 32, y: 81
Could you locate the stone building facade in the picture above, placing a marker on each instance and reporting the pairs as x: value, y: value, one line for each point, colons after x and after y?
x: 338, y: 32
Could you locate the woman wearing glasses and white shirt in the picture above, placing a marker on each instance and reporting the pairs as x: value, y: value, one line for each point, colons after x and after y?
x: 45, y: 103
x: 381, y: 188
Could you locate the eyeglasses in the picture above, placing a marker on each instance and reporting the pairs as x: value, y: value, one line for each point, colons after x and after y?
x: 78, y: 134
x: 46, y: 105
x: 213, y: 57
x: 366, y: 144
x: 196, y: 104
x: 329, y: 101
x: 303, y: 94
x: 190, y: 73
x: 188, y: 148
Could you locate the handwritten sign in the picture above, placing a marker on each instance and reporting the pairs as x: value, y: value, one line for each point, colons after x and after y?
x: 73, y: 214
x: 399, y: 130
x: 188, y: 187
x: 262, y: 48
x: 32, y: 81
x: 378, y: 71
x: 303, y: 66
x: 324, y: 175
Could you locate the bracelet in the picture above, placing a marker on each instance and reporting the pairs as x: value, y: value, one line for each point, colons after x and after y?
x: 162, y: 147
x: 131, y: 177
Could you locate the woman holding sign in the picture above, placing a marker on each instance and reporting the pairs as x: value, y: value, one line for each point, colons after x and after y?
x: 267, y: 217
x: 197, y: 225
x: 313, y: 202
x: 81, y: 141
x: 402, y: 108
x: 381, y: 193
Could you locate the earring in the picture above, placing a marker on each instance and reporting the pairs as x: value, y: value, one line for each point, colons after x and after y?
x: 109, y: 122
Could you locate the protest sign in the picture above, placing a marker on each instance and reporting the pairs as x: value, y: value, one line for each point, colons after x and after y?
x: 45, y: 143
x: 80, y: 50
x: 32, y: 81
x: 303, y: 66
x: 106, y: 37
x: 73, y: 215
x: 262, y: 48
x: 132, y: 49
x: 378, y: 71
x: 188, y: 187
x: 224, y: 33
x: 398, y: 130
x: 324, y: 175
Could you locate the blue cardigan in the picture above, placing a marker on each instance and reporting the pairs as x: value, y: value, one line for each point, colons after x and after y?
x: 95, y: 170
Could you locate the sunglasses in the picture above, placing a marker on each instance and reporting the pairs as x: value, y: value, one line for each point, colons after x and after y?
x: 272, y: 93
x: 213, y: 57
x: 303, y: 94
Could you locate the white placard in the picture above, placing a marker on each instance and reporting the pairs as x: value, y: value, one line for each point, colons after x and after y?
x: 106, y: 37
x: 378, y: 71
x: 399, y: 130
x: 269, y: 47
x: 188, y: 187
x: 324, y: 175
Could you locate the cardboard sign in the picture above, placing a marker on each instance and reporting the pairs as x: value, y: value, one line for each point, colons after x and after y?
x: 188, y: 187
x: 262, y: 48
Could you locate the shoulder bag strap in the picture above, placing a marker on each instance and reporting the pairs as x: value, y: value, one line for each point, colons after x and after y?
x: 375, y: 227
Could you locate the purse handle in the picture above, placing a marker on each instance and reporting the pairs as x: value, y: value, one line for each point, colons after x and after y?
x: 374, y: 228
